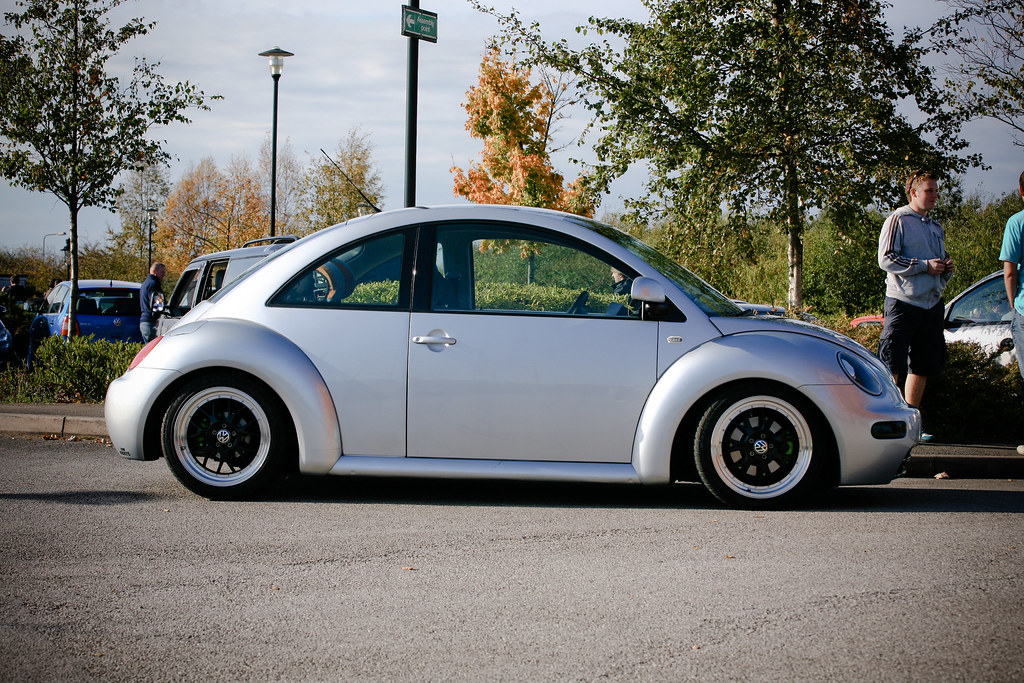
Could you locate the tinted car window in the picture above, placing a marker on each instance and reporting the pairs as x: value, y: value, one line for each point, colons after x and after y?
x: 367, y: 274
x: 709, y: 299
x: 56, y: 299
x: 184, y: 293
x: 237, y: 266
x: 110, y: 302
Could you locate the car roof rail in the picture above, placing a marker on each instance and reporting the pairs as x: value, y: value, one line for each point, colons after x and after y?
x: 278, y: 239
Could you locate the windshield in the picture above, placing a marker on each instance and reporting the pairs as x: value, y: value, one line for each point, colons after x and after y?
x: 707, y: 298
x: 249, y: 271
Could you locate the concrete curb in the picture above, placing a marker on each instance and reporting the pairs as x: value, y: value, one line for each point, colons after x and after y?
x: 60, y: 425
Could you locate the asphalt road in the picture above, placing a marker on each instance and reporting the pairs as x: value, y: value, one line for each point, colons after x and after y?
x: 110, y: 570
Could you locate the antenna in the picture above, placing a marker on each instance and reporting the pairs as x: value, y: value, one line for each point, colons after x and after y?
x: 345, y: 176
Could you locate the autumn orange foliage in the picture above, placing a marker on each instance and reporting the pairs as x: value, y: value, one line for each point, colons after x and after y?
x: 210, y: 211
x: 513, y: 118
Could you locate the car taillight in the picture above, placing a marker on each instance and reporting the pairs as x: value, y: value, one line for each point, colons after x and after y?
x: 65, y: 326
x: 143, y: 353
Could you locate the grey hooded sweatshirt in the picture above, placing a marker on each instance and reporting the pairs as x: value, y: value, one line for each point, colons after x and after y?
x: 908, y: 240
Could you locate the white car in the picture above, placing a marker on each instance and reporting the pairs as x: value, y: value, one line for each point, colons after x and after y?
x: 492, y: 342
x: 982, y: 314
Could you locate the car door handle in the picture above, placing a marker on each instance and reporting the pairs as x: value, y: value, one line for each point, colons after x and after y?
x: 447, y: 341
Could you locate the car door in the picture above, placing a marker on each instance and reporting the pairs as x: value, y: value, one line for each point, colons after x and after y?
x: 527, y: 351
x: 54, y: 311
x: 349, y: 313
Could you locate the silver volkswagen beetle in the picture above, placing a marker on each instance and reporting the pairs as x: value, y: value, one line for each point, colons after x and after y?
x: 502, y: 342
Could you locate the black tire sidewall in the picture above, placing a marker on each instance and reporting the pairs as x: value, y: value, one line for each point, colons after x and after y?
x: 277, y: 427
x: 810, y: 481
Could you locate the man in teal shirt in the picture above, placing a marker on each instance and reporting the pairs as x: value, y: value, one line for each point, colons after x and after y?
x: 1012, y: 256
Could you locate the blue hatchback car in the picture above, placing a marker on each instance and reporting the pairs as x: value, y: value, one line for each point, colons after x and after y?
x: 106, y: 309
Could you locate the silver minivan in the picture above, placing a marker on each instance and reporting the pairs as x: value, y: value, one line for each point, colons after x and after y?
x: 206, y: 275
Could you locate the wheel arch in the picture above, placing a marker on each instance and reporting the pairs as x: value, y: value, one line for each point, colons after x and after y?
x: 249, y: 350
x: 663, y: 446
x: 682, y: 465
x: 152, y: 431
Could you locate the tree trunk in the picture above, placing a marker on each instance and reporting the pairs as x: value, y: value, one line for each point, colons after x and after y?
x: 795, y: 229
x: 73, y: 261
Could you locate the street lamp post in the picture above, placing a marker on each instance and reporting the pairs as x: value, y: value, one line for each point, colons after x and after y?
x: 51, y: 234
x: 149, y: 252
x: 276, y: 56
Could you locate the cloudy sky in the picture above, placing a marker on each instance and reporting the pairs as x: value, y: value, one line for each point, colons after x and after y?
x: 349, y: 70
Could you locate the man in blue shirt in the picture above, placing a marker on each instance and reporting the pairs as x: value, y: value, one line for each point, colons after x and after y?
x: 151, y: 301
x: 1012, y: 256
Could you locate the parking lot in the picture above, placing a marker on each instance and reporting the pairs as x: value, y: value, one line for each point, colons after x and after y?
x: 111, y: 570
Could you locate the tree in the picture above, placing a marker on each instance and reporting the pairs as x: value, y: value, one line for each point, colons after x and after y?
x: 988, y: 79
x: 775, y: 107
x: 289, y: 186
x: 327, y: 197
x: 66, y: 125
x: 515, y: 120
x: 144, y: 189
x: 210, y: 211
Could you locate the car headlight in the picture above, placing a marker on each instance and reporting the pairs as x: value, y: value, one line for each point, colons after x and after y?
x: 861, y: 373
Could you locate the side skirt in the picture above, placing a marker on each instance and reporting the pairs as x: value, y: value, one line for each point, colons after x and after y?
x: 608, y: 473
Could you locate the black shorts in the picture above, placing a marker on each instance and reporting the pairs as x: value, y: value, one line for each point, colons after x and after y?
x: 915, y: 333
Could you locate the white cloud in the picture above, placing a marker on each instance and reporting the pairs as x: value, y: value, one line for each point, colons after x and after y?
x: 349, y: 69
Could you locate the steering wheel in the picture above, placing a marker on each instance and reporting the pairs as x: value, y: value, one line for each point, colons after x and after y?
x: 579, y: 305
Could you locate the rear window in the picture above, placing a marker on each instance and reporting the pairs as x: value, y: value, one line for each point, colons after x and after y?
x: 109, y: 301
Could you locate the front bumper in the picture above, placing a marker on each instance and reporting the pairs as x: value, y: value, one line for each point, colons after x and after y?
x: 854, y: 416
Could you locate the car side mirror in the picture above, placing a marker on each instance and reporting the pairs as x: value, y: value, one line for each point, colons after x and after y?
x: 647, y: 290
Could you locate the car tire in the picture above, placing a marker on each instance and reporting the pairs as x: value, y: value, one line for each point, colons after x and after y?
x: 757, y: 448
x: 226, y: 436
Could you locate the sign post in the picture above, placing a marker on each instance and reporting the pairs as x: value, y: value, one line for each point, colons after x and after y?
x: 417, y: 25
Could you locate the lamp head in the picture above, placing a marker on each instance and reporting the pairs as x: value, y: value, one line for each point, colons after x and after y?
x: 276, y: 56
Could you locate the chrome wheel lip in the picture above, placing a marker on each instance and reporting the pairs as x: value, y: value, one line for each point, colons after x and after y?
x: 191, y: 461
x: 790, y: 479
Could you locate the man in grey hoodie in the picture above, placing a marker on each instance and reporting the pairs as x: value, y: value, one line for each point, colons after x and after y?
x: 912, y: 252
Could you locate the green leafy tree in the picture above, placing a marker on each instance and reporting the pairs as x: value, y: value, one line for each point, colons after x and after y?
x: 771, y: 107
x: 987, y: 80
x: 842, y: 271
x: 327, y: 197
x: 67, y: 126
x: 974, y: 235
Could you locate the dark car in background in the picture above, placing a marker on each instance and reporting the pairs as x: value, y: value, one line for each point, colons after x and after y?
x: 106, y: 309
x: 205, y: 275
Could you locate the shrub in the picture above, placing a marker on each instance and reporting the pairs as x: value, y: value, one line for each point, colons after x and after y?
x: 974, y: 399
x: 76, y: 370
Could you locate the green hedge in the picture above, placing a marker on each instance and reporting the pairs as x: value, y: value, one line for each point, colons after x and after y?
x: 974, y: 399
x: 76, y: 370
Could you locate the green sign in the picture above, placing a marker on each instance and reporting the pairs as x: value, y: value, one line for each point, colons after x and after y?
x: 418, y: 23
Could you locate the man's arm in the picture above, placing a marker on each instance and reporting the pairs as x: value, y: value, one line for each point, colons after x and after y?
x: 1011, y: 278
